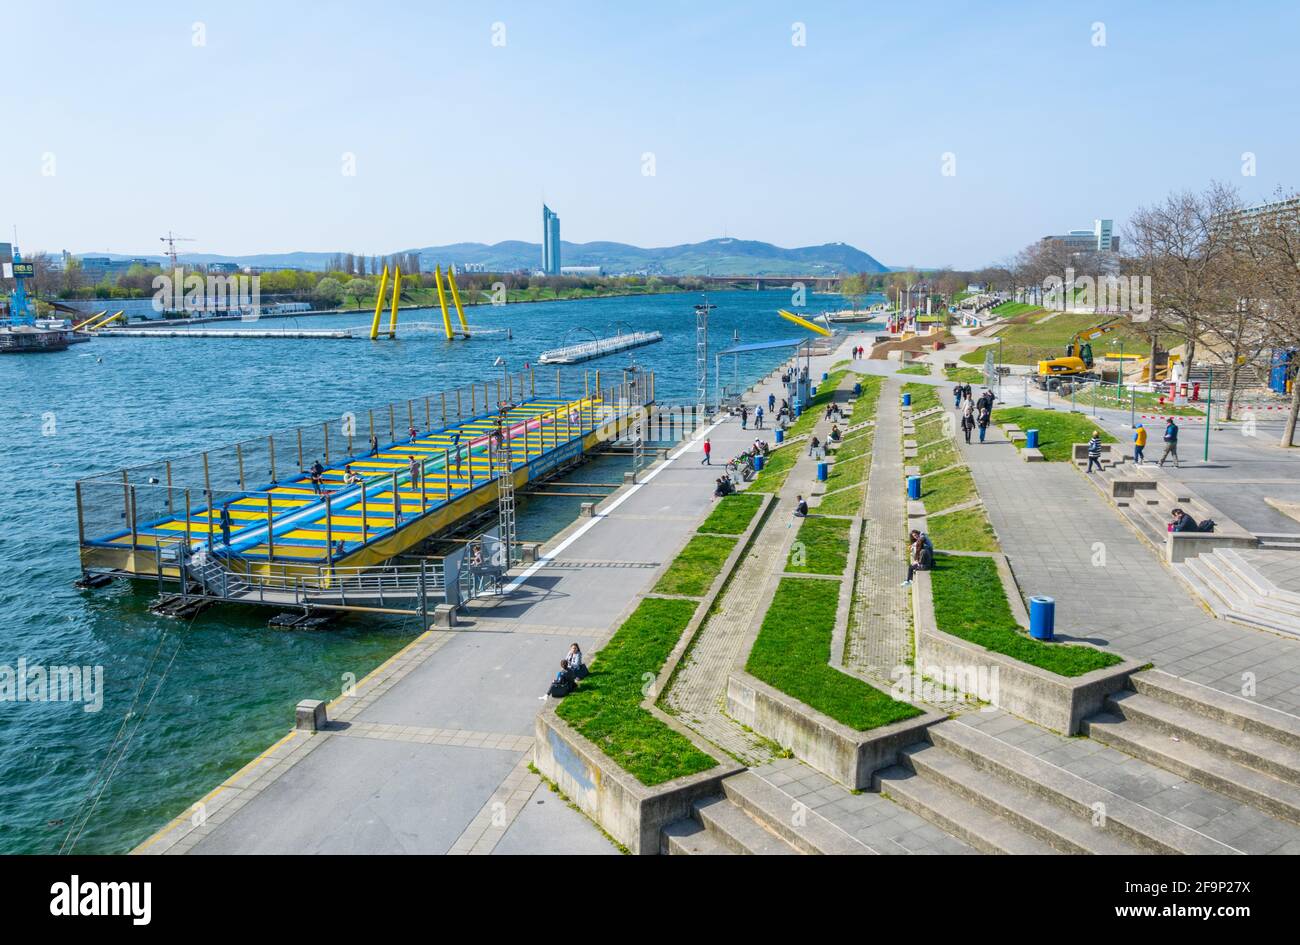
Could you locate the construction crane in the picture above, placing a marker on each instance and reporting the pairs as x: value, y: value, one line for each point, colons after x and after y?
x: 1078, y: 361
x: 171, y: 239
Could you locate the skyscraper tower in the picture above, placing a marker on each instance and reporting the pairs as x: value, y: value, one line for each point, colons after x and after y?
x: 550, y: 241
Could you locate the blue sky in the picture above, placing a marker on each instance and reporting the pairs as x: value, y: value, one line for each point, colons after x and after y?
x: 240, y: 142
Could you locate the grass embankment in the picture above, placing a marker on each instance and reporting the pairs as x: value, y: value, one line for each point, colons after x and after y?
x: 816, y: 406
x: 693, y: 570
x: 606, y: 709
x: 864, y: 408
x: 732, y: 514
x: 846, y: 501
x: 964, y: 375
x: 776, y: 468
x: 920, y: 369
x: 792, y: 654
x: 967, y: 530
x: 938, y: 455
x: 821, y: 547
x: 846, y: 471
x: 969, y: 602
x: 924, y: 396
x: 1057, y: 431
x: 948, y: 488
x: 1039, y: 340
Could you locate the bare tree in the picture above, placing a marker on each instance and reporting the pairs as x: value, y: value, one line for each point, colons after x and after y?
x: 1272, y: 239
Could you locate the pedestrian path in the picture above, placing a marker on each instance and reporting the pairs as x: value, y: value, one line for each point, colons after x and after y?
x: 1064, y: 540
x: 698, y: 691
x: 880, y: 623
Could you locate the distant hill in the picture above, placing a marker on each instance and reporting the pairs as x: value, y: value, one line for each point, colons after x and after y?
x: 718, y: 257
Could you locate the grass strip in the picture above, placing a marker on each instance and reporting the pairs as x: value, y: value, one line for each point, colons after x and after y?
x: 792, y: 654
x: 967, y: 530
x: 693, y: 570
x: 606, y: 709
x: 821, y: 547
x: 949, y: 488
x: 732, y: 514
x: 776, y: 468
x: 924, y: 396
x: 969, y: 602
x: 1057, y: 431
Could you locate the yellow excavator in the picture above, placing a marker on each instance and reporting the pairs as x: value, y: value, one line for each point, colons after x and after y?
x: 1077, y: 362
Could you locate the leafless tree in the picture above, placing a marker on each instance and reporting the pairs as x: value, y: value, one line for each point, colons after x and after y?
x: 1271, y: 239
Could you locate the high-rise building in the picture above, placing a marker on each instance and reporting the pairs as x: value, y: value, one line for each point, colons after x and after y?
x: 1100, y: 239
x: 550, y: 241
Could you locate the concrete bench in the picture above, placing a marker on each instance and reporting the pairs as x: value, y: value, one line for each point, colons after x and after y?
x: 1031, y: 455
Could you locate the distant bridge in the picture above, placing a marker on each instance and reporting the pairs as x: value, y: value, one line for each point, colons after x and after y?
x: 815, y: 283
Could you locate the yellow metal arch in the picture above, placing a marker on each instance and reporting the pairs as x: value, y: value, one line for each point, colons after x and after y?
x: 442, y: 300
x: 397, y: 292
x: 379, y: 304
x: 803, y: 322
x: 455, y: 297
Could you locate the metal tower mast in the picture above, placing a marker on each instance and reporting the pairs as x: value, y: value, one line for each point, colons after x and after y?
x: 171, y: 239
x: 702, y: 355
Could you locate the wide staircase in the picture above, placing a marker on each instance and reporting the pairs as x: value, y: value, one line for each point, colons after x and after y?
x: 1234, y: 747
x: 753, y: 816
x: 1234, y: 589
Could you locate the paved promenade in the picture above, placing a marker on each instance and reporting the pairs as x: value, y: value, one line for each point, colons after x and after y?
x: 430, y: 755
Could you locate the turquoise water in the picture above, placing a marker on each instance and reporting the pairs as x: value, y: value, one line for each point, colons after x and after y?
x: 223, y: 688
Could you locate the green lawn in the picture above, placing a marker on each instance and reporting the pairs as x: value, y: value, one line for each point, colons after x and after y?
x: 1036, y: 341
x: 822, y: 545
x: 843, y: 501
x: 964, y: 375
x: 859, y: 444
x: 607, y: 706
x: 693, y: 570
x: 921, y: 369
x: 967, y: 530
x: 969, y: 602
x: 732, y: 514
x: 947, y: 489
x: 864, y: 408
x: 935, y: 457
x: 845, y: 471
x: 792, y: 653
x: 1057, y: 430
x: 924, y: 396
x: 776, y: 467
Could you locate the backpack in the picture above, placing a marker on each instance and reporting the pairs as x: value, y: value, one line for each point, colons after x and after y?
x: 1206, y: 526
x: 562, y: 687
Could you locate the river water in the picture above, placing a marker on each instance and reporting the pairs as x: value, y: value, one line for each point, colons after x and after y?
x: 186, y: 704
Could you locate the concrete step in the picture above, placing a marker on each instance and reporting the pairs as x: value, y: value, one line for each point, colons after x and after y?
x: 1259, y: 752
x: 1126, y: 820
x: 1250, y: 575
x: 738, y: 831
x: 1268, y: 794
x: 955, y: 815
x: 1033, y: 813
x: 774, y: 808
x: 689, y: 837
x: 1240, y: 713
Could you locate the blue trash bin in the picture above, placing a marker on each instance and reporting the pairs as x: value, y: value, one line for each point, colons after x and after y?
x: 1031, y: 439
x: 914, y: 487
x: 821, y: 471
x: 825, y: 376
x: 780, y: 435
x: 813, y: 392
x: 758, y: 461
x: 1042, y: 617
x: 907, y: 400
x: 857, y: 390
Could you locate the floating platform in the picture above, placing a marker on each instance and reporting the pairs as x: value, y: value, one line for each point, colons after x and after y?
x: 589, y: 350
x: 289, y: 542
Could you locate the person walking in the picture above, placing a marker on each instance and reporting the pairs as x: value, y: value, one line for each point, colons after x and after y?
x: 956, y: 395
x: 1094, y: 451
x: 968, y: 419
x: 966, y: 391
x: 1171, y: 443
x: 758, y: 418
x: 413, y: 465
x: 982, y: 418
x: 744, y: 417
x: 708, y: 450
x: 771, y: 402
x: 1139, y: 443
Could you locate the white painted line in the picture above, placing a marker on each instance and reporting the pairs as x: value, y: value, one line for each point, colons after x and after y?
x: 559, y: 549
